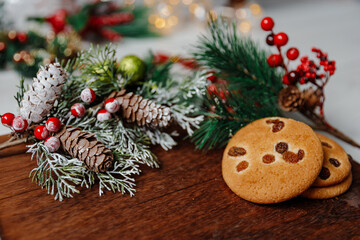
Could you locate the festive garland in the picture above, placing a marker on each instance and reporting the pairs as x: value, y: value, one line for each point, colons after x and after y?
x: 108, y: 136
x: 101, y: 19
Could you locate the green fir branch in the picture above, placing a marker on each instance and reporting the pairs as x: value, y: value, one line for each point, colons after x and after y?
x: 250, y: 90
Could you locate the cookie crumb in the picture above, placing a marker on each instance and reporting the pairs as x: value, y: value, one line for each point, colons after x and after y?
x: 281, y: 147
x: 236, y: 151
x: 324, y: 174
x: 268, y: 158
x: 242, y: 166
x: 334, y: 162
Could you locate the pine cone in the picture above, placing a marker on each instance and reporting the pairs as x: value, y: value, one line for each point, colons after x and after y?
x: 45, y: 89
x: 142, y: 111
x: 312, y: 98
x: 290, y: 98
x: 85, y: 147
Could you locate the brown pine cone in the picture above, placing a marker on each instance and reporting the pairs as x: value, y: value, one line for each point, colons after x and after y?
x: 312, y: 98
x: 135, y: 108
x: 85, y: 147
x: 290, y: 99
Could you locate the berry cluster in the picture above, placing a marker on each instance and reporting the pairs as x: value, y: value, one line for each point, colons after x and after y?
x: 88, y: 96
x: 19, y: 124
x: 308, y: 70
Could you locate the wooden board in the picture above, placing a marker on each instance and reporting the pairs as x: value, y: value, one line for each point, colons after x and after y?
x: 185, y: 199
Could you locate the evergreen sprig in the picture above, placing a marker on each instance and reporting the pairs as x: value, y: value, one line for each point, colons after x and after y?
x: 129, y: 143
x: 250, y: 90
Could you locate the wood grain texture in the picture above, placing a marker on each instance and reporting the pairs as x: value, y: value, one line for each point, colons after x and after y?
x: 185, y: 199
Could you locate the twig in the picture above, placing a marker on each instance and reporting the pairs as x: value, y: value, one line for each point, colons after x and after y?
x: 11, y: 142
x: 322, y: 125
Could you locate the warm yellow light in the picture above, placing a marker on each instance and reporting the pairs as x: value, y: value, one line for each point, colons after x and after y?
x: 187, y: 2
x: 193, y: 7
x: 12, y: 34
x: 67, y: 52
x: 241, y: 13
x: 149, y: 3
x: 244, y: 26
x: 173, y: 20
x: 166, y: 10
x: 255, y: 9
x: 160, y: 23
x: 212, y: 15
x: 17, y: 57
x: 152, y: 18
x: 174, y: 2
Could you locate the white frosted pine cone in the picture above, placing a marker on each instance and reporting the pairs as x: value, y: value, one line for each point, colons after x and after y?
x: 45, y: 89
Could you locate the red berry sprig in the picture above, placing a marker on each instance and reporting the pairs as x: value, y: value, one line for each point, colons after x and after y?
x: 308, y: 71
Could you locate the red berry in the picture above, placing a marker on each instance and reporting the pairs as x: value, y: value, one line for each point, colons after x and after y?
x: 52, y: 144
x: 304, y: 59
x: 212, y: 88
x: 41, y: 132
x: 222, y: 95
x: 292, y: 53
x: 302, y: 81
x: 270, y: 39
x: 112, y: 105
x: 212, y: 78
x: 281, y: 39
x: 286, y: 80
x: 103, y: 115
x: 267, y: 24
x: 53, y: 124
x: 274, y: 60
x: 7, y: 119
x: 78, y: 110
x: 19, y: 124
x: 293, y: 76
x: 22, y: 37
x: 88, y: 95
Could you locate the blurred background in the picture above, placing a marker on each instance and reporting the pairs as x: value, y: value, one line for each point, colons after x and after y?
x: 54, y: 28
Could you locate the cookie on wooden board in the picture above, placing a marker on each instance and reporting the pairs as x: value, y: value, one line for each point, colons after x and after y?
x: 330, y: 191
x: 336, y: 166
x: 272, y: 160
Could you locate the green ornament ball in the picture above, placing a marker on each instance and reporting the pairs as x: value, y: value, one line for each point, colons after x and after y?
x: 132, y: 67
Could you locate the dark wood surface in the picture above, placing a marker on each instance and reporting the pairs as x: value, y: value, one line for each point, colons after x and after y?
x: 185, y: 199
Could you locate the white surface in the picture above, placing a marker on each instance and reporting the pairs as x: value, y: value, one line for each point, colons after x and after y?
x: 331, y: 25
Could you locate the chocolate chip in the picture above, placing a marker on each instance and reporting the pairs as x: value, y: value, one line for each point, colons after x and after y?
x: 301, y: 154
x: 242, y: 166
x: 236, y: 151
x: 334, y: 162
x: 290, y: 157
x: 325, y: 144
x: 268, y: 158
x: 324, y: 174
x: 281, y: 147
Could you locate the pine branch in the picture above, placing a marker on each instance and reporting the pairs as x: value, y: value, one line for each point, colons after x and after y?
x: 234, y: 57
x: 250, y: 90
